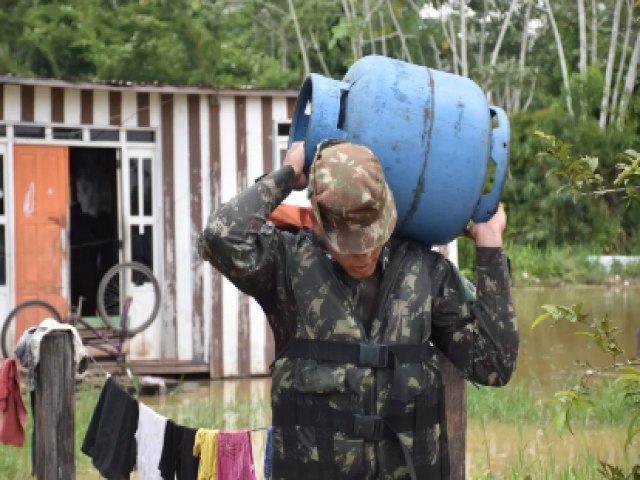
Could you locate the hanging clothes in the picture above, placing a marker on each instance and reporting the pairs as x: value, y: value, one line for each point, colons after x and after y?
x: 177, y: 459
x: 149, y: 439
x: 235, y: 456
x: 28, y: 348
x: 258, y: 445
x: 206, y: 447
x: 14, y: 413
x: 267, y: 454
x: 110, y: 439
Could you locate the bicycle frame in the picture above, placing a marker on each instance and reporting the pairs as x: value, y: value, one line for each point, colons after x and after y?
x: 103, y: 341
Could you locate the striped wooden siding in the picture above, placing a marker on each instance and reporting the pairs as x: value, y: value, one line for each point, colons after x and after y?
x: 210, y: 146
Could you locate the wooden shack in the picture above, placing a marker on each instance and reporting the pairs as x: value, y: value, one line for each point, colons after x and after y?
x: 100, y: 173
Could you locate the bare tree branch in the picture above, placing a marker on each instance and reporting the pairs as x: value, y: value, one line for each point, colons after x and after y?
x: 382, y: 28
x: 316, y: 47
x: 303, y: 48
x: 524, y: 45
x: 594, y: 32
x: 503, y: 31
x: 582, y: 28
x: 463, y: 38
x: 367, y: 16
x: 398, y: 28
x: 563, y: 62
x: 606, y: 91
x: 613, y: 114
x: 346, y: 7
x: 436, y: 52
x: 630, y: 80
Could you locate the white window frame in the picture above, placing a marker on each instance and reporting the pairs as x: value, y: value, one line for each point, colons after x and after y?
x: 280, y: 144
x: 141, y: 220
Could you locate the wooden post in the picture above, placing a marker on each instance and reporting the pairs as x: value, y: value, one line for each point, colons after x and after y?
x: 456, y: 412
x: 455, y: 397
x: 55, y: 409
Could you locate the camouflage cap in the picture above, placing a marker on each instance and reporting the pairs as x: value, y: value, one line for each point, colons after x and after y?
x: 350, y: 198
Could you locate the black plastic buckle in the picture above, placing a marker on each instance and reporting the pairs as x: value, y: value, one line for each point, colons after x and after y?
x: 369, y: 427
x: 373, y: 355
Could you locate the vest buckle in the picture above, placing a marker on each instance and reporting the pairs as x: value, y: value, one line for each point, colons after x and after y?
x: 373, y: 355
x: 369, y: 427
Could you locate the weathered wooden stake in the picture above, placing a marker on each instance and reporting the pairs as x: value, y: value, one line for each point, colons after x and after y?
x: 456, y: 411
x: 55, y: 409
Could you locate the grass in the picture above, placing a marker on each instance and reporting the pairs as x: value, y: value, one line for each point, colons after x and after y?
x: 530, y: 403
x: 518, y: 415
x: 568, y: 264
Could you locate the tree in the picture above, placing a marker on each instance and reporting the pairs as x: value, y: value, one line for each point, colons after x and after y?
x: 581, y: 177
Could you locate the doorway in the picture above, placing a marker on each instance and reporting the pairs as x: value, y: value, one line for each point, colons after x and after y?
x: 93, y: 221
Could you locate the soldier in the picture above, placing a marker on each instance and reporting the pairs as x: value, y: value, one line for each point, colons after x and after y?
x: 357, y: 315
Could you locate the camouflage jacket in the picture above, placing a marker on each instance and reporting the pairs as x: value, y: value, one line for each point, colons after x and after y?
x: 347, y: 404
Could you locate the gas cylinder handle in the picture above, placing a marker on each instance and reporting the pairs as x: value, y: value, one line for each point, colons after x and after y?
x: 500, y: 138
x: 326, y: 98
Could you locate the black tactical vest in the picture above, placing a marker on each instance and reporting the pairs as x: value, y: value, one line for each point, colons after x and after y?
x: 347, y: 405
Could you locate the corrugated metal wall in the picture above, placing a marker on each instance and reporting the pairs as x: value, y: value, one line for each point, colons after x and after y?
x: 210, y: 144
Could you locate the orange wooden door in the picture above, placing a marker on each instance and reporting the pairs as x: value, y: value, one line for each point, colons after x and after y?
x: 41, y: 186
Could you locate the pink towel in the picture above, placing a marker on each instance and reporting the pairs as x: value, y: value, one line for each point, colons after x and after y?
x: 14, y: 413
x: 235, y: 456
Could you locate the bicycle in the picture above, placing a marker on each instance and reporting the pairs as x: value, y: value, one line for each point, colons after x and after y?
x: 128, y: 300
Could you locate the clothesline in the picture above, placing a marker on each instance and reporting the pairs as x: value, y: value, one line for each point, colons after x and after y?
x: 124, y: 433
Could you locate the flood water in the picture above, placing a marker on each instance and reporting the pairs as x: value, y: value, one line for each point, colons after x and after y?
x: 547, y: 356
x: 548, y: 351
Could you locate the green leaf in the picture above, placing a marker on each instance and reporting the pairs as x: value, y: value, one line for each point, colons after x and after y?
x: 586, y: 334
x: 632, y: 377
x: 632, y: 431
x: 631, y: 370
x: 560, y: 421
x: 540, y: 319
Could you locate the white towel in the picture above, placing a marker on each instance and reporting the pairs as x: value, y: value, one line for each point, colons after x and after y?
x: 150, y: 439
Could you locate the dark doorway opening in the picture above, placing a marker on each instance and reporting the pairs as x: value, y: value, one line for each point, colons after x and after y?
x: 93, y: 219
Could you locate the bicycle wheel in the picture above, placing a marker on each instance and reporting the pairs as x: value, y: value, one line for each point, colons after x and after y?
x: 34, y: 311
x: 131, y: 285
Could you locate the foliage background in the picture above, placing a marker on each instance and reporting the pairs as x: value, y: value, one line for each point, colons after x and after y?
x: 553, y: 83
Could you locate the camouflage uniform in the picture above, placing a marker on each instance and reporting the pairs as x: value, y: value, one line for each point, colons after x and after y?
x: 345, y: 403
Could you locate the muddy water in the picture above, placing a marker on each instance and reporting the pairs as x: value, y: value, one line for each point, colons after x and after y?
x: 548, y: 352
x: 547, y: 355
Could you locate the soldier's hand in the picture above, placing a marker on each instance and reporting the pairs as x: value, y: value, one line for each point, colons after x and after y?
x: 295, y: 158
x: 489, y: 233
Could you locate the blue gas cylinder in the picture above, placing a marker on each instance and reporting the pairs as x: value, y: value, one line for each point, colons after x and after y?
x: 444, y: 150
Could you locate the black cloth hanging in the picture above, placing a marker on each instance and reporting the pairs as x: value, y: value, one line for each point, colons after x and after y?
x: 177, y: 459
x: 110, y: 439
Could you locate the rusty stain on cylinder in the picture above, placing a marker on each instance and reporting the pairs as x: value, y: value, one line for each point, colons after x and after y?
x: 417, y: 193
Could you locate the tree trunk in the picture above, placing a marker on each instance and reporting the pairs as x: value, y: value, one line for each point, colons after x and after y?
x: 582, y: 22
x: 561, y: 58
x: 436, y: 52
x: 606, y: 91
x: 503, y: 31
x: 316, y: 47
x: 483, y: 34
x: 594, y: 32
x: 382, y: 29
x: 360, y: 31
x: 349, y: 16
x: 449, y: 36
x: 613, y: 115
x: 367, y: 15
x: 630, y: 81
x: 463, y: 38
x: 524, y: 45
x: 303, y: 48
x: 403, y: 40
